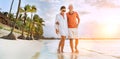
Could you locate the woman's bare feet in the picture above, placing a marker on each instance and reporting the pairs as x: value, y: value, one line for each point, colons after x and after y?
x: 58, y: 51
x: 72, y: 51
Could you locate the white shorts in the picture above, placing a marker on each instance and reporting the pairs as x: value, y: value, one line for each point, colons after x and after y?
x: 73, y: 33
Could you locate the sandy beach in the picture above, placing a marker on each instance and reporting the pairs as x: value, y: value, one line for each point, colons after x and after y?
x: 45, y: 49
x: 18, y: 49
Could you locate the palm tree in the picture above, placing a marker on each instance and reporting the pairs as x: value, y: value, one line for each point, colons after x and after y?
x: 20, y: 26
x: 27, y: 27
x: 11, y: 35
x: 21, y: 23
x: 9, y: 15
x: 24, y: 10
x: 38, y: 27
x: 33, y: 9
x: 11, y: 6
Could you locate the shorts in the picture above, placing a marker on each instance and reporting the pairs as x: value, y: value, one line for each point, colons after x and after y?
x: 73, y: 33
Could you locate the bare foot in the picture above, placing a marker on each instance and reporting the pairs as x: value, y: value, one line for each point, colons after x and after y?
x: 58, y: 51
x: 72, y: 51
x: 77, y: 51
x: 62, y: 51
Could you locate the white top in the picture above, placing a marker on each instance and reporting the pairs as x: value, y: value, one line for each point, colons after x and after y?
x: 62, y: 27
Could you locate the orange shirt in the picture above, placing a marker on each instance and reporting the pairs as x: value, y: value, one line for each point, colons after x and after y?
x: 72, y: 20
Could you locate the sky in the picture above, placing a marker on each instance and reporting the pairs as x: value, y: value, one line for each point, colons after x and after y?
x: 99, y: 18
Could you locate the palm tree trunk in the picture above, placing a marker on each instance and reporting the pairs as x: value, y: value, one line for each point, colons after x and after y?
x: 31, y: 28
x: 11, y: 36
x: 24, y: 22
x: 16, y: 16
x: 11, y: 6
x: 23, y: 26
x: 11, y: 33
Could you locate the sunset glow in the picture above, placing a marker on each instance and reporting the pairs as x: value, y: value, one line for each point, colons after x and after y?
x: 110, y: 30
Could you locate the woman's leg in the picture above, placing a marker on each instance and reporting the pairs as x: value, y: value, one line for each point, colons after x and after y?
x: 62, y: 42
x: 59, y: 47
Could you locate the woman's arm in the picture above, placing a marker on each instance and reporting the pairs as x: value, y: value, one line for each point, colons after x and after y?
x: 56, y: 25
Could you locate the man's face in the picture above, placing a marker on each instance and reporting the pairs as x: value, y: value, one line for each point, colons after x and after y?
x: 70, y: 8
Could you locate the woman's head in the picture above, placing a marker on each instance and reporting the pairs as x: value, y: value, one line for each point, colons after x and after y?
x: 63, y: 9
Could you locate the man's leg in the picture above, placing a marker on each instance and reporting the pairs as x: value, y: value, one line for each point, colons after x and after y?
x: 62, y: 42
x: 76, y: 45
x: 76, y: 40
x: 71, y: 45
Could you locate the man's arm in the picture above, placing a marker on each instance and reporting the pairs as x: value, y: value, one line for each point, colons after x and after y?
x: 78, y: 18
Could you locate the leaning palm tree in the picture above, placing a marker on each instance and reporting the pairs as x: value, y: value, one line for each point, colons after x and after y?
x: 11, y: 7
x: 11, y: 35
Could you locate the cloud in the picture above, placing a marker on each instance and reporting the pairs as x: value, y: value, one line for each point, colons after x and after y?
x: 52, y: 1
x: 104, y: 3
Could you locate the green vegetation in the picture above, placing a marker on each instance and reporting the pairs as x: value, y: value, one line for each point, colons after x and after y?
x: 31, y: 27
x: 1, y: 27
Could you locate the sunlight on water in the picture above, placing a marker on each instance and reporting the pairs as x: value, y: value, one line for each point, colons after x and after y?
x: 89, y: 49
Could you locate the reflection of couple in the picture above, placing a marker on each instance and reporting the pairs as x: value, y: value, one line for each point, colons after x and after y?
x: 67, y: 22
x: 72, y: 56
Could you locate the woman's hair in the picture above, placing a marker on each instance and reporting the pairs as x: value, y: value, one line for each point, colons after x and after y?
x: 62, y: 7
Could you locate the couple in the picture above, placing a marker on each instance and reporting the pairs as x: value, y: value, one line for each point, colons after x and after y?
x: 67, y: 22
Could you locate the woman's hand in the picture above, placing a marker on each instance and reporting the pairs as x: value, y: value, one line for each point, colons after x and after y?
x: 57, y: 31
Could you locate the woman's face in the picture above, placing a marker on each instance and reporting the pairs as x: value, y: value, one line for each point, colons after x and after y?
x: 63, y: 10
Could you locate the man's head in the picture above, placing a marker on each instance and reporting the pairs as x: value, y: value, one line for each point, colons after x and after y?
x: 70, y: 7
x: 63, y: 9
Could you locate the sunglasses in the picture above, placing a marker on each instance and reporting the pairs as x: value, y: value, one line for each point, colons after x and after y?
x: 63, y: 10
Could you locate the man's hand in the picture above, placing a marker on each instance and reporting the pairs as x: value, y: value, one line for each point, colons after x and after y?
x: 77, y: 25
x: 57, y: 31
x: 57, y: 23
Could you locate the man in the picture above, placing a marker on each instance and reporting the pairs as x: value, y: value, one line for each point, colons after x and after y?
x: 73, y: 21
x: 61, y: 27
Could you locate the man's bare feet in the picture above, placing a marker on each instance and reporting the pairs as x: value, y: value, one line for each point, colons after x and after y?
x: 62, y: 51
x: 77, y: 51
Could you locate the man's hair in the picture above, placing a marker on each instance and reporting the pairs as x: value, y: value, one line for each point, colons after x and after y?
x: 70, y: 5
x: 62, y: 7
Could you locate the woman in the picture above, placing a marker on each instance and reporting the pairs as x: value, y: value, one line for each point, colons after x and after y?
x: 61, y: 27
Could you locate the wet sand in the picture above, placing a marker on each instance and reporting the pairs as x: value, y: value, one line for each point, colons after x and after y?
x: 46, y: 49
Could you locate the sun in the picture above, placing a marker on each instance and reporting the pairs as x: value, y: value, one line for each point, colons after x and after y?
x: 110, y: 30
